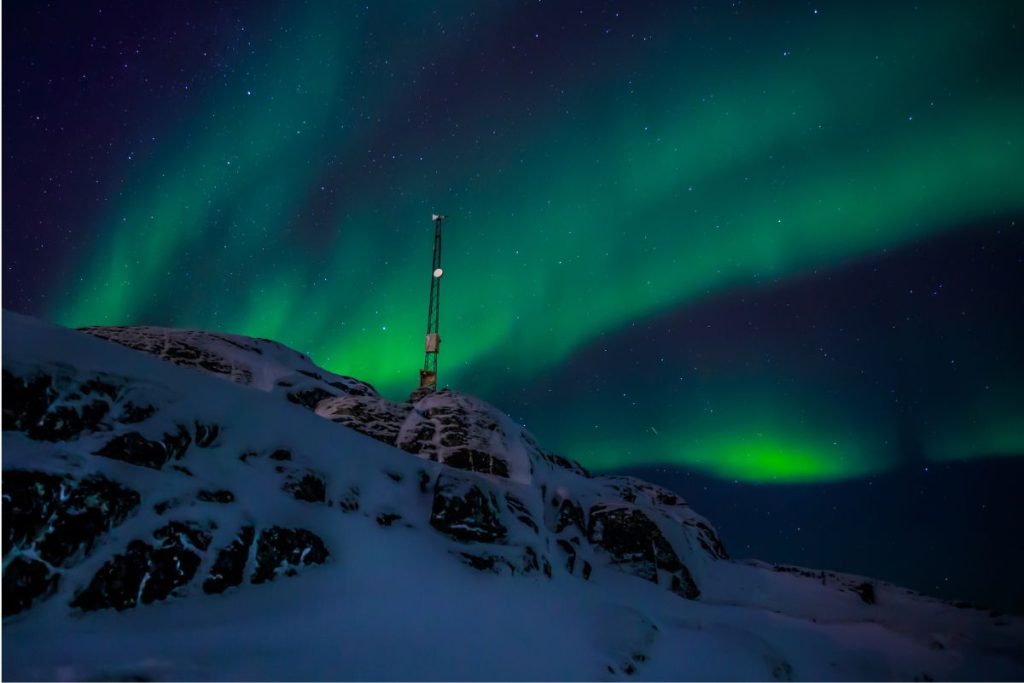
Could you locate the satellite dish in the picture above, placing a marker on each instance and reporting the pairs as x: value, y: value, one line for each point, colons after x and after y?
x: 438, y: 272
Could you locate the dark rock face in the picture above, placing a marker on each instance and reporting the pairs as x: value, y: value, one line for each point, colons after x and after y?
x: 486, y: 562
x: 29, y: 500
x: 442, y: 426
x: 638, y: 547
x: 353, y: 386
x: 136, y: 449
x: 218, y: 496
x: 229, y: 568
x: 454, y: 430
x: 282, y: 551
x: 866, y: 591
x: 175, y: 562
x: 350, y: 501
x: 306, y: 486
x: 56, y: 407
x: 570, y: 554
x: 116, y: 584
x: 386, y: 519
x: 218, y: 354
x: 24, y: 581
x: 369, y: 415
x: 63, y: 423
x: 26, y: 400
x: 169, y: 569
x: 709, y: 540
x: 177, y: 444
x: 463, y: 511
x: 180, y: 347
x: 183, y: 535
x: 565, y: 463
x: 569, y: 515
x: 500, y: 563
x: 465, y: 458
x: 521, y: 512
x: 309, y: 398
x: 420, y: 433
x: 91, y: 508
x: 206, y: 434
x: 145, y: 572
x: 683, y: 585
x: 132, y: 413
x: 58, y: 518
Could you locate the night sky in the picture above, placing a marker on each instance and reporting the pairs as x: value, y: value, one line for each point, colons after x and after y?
x: 767, y: 254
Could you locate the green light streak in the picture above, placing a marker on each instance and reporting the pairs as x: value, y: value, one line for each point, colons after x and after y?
x: 645, y: 186
x: 747, y: 456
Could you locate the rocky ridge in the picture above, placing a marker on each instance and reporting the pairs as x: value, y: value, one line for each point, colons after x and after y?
x: 558, y: 519
x: 129, y: 483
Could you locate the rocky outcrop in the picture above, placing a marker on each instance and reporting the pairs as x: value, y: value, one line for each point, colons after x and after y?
x: 453, y: 429
x: 58, y: 519
x: 309, y: 398
x: 708, y: 539
x: 442, y: 426
x: 463, y: 510
x: 56, y: 407
x: 281, y: 552
x: 243, y: 360
x: 86, y: 511
x: 521, y: 512
x: 146, y: 573
x: 26, y: 580
x: 526, y: 563
x: 637, y: 546
x: 486, y: 496
x: 149, y: 572
x: 229, y: 568
x: 134, y: 448
x: 375, y: 417
x: 218, y: 496
x: 306, y: 486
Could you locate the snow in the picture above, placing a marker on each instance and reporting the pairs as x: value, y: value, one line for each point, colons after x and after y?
x: 396, y: 603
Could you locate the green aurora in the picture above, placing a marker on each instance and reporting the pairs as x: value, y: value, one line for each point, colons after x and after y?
x: 636, y: 173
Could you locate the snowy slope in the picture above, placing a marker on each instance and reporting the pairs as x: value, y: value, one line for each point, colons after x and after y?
x: 239, y: 513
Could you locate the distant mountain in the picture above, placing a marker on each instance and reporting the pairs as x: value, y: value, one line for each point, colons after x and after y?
x: 161, y: 523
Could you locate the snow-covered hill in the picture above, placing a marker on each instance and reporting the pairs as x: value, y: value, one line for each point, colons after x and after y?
x: 239, y: 513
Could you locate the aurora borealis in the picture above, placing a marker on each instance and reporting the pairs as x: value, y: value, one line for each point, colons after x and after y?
x: 773, y: 243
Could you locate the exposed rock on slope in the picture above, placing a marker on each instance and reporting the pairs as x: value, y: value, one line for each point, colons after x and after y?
x: 131, y: 485
x: 127, y: 420
x: 261, y: 363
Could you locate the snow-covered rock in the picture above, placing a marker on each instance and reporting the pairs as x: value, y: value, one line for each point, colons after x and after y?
x: 163, y: 523
x: 260, y: 363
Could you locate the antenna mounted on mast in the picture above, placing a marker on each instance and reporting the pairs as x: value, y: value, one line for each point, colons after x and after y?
x: 428, y: 375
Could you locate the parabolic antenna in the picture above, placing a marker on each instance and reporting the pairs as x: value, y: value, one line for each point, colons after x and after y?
x: 438, y: 272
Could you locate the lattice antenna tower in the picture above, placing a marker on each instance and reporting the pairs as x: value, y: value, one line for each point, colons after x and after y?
x: 428, y: 375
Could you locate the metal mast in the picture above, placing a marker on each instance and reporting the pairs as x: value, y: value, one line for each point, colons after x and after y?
x: 428, y: 375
